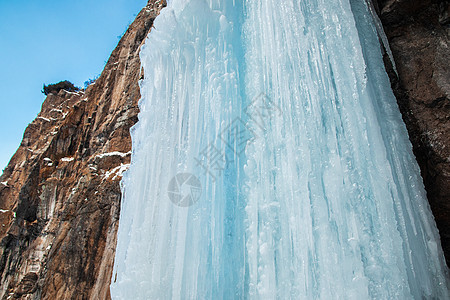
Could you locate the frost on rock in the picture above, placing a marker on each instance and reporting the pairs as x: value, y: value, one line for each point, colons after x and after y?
x: 117, y: 171
x: 67, y: 159
x: 275, y: 122
x: 115, y: 153
x: 42, y: 118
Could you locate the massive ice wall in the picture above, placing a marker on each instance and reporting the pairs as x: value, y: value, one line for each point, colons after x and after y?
x: 270, y: 161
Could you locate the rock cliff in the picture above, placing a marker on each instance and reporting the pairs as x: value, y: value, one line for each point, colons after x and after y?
x: 60, y: 194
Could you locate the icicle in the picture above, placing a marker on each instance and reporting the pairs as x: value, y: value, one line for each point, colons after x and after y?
x: 381, y: 33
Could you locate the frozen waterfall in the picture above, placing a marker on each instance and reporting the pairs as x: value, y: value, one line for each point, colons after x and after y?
x: 270, y: 161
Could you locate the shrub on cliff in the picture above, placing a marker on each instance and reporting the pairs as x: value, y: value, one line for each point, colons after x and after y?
x: 62, y: 85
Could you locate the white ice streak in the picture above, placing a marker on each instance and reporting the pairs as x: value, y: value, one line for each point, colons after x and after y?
x: 117, y: 171
x: 115, y: 153
x: 67, y: 159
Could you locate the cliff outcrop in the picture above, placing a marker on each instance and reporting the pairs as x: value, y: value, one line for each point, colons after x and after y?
x: 60, y: 193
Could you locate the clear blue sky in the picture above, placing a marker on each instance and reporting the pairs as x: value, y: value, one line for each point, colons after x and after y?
x: 49, y: 41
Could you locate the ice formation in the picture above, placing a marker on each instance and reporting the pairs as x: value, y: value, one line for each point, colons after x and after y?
x: 270, y: 161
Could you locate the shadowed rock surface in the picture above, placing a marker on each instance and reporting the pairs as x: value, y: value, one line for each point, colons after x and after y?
x: 60, y: 194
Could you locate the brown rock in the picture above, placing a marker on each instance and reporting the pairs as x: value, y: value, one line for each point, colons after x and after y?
x: 60, y: 205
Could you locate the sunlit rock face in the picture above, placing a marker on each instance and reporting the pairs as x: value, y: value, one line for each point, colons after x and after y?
x: 60, y: 195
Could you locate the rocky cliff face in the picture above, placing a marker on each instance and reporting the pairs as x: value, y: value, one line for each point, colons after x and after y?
x: 60, y: 195
x: 418, y: 33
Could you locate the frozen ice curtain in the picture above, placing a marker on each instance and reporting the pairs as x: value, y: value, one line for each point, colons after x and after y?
x: 270, y: 161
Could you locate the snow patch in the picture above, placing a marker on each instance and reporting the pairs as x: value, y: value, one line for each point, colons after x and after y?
x: 73, y: 93
x: 117, y: 171
x: 115, y: 153
x: 67, y: 159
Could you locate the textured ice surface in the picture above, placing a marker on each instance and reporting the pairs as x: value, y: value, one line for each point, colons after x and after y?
x: 283, y: 113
